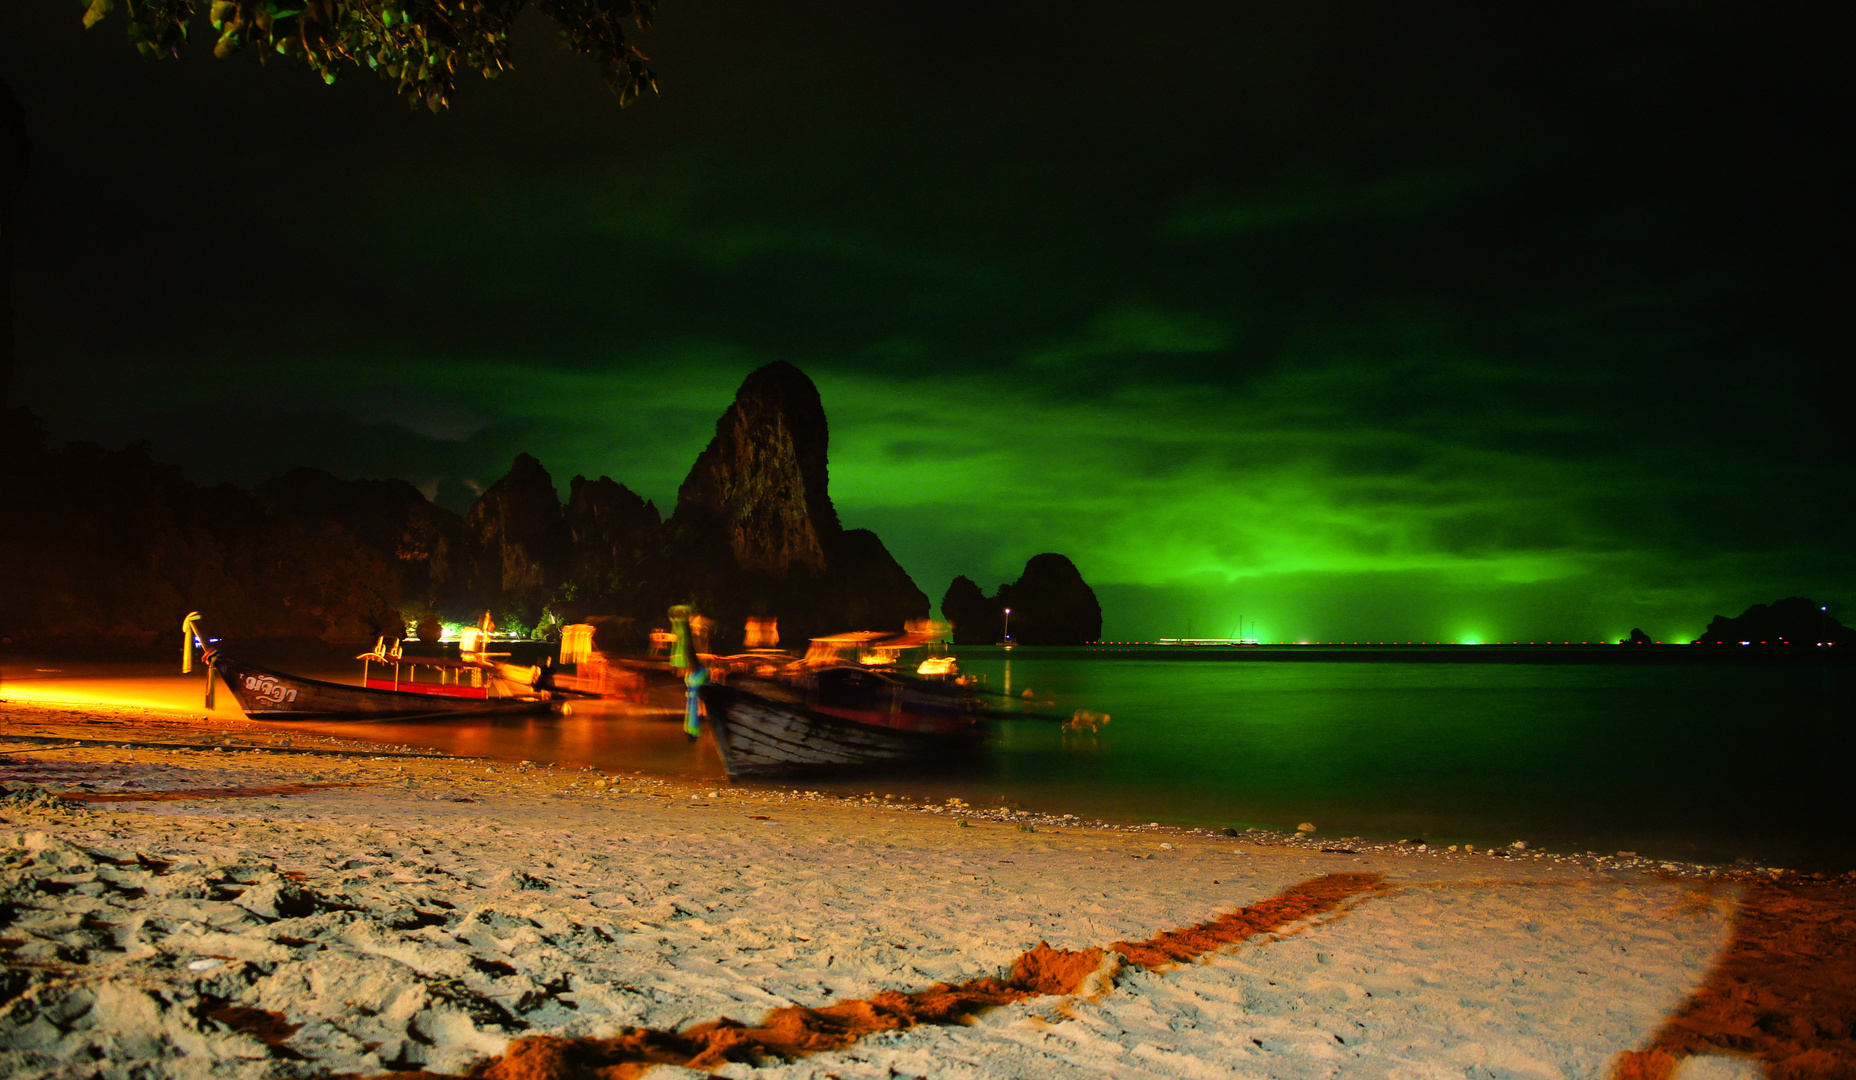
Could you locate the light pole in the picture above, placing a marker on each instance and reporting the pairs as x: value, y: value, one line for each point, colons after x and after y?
x: 1008, y: 624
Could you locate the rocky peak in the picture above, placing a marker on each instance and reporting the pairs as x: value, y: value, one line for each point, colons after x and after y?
x: 609, y: 525
x: 763, y: 477
x: 517, y: 537
x: 976, y: 621
x: 1051, y: 605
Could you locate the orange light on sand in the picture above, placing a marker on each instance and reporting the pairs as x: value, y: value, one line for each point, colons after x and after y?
x: 84, y: 693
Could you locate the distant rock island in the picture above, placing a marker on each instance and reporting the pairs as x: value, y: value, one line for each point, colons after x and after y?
x: 1051, y: 605
x: 1791, y: 621
x: 120, y: 547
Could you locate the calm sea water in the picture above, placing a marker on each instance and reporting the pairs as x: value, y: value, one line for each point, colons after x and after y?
x: 1704, y: 762
x: 1697, y: 762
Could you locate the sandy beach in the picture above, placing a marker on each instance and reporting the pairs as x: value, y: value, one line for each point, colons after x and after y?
x: 182, y: 897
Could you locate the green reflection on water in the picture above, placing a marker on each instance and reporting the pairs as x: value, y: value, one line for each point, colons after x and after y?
x: 1711, y: 762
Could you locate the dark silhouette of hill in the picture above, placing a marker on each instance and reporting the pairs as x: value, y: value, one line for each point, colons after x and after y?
x: 111, y: 544
x: 1791, y: 621
x: 517, y: 548
x: 1051, y: 605
x: 975, y: 620
x: 425, y: 541
x: 610, y: 528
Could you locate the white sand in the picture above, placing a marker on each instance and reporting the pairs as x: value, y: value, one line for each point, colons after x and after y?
x: 401, y: 929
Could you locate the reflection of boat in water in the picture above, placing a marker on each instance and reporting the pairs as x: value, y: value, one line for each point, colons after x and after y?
x: 273, y: 695
x: 848, y: 705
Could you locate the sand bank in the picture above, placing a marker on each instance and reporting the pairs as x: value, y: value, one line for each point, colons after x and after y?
x: 197, y: 908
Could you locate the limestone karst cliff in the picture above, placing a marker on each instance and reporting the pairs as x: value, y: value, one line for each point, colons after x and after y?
x: 311, y: 554
x: 757, y: 531
x: 611, y: 530
x: 975, y: 619
x: 516, y: 545
x: 761, y: 482
x: 1051, y: 605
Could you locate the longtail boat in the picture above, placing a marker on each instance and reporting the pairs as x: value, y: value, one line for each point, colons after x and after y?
x: 764, y: 736
x: 476, y: 683
x: 265, y: 694
x: 846, y: 707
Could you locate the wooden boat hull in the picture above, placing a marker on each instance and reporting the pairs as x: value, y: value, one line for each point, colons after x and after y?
x: 759, y: 736
x: 272, y: 695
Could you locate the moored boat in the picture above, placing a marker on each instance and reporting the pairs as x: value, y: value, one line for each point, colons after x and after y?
x: 265, y: 694
x: 850, y: 704
x: 476, y: 683
x: 776, y: 732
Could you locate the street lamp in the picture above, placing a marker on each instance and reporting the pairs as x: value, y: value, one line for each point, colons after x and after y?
x: 1008, y: 624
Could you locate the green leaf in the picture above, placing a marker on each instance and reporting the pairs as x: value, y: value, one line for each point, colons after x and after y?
x: 99, y: 10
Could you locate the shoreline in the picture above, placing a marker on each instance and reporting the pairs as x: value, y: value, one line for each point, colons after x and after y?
x: 1668, y: 785
x: 401, y: 912
x: 239, y: 735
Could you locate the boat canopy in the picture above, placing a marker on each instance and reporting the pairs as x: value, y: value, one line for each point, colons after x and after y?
x: 867, y: 647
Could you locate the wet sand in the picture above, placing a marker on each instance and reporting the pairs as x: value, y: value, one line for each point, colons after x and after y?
x: 199, y: 899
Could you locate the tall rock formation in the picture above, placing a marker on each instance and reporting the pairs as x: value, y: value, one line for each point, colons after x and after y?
x: 975, y: 619
x: 120, y: 546
x: 762, y: 480
x: 1051, y: 605
x: 611, y: 529
x: 755, y: 531
x: 870, y: 588
x: 516, y: 542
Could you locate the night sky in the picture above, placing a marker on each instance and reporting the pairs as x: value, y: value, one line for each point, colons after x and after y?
x: 1376, y: 322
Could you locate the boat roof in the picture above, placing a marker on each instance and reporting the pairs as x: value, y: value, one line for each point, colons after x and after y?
x: 426, y: 661
x: 879, y: 639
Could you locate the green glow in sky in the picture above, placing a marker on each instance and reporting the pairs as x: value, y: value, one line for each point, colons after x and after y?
x: 1376, y: 347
